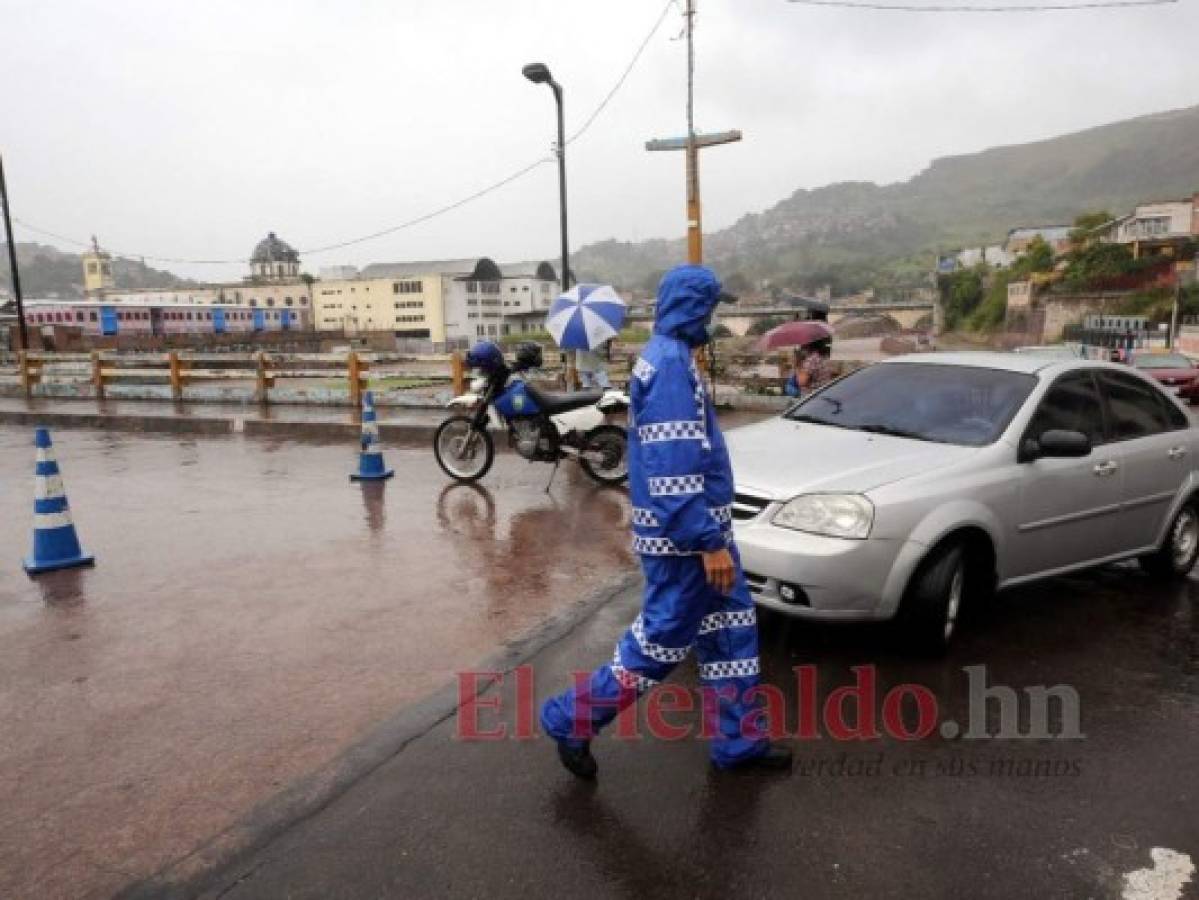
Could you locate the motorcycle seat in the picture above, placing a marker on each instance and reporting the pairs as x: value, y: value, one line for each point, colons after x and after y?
x: 554, y: 402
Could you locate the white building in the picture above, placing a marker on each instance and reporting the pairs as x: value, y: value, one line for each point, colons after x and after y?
x: 1169, y: 220
x: 442, y: 300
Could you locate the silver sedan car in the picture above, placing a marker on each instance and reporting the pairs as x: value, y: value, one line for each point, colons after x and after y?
x: 910, y: 487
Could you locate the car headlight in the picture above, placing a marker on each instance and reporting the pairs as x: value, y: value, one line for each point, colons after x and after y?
x: 832, y: 515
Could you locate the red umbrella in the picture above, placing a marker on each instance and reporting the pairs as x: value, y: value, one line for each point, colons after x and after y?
x: 795, y: 334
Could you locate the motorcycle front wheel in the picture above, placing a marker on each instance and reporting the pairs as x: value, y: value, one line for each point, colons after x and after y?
x: 605, y: 454
x: 464, y: 452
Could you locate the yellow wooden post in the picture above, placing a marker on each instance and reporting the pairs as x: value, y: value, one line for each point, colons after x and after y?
x: 25, y: 373
x: 176, y: 375
x: 98, y: 374
x: 263, y: 378
x: 355, y: 367
x: 458, y: 373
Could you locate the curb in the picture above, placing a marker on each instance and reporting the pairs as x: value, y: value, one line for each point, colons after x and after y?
x: 138, y: 423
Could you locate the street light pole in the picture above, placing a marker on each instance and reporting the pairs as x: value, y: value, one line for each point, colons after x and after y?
x: 539, y: 73
x: 22, y: 331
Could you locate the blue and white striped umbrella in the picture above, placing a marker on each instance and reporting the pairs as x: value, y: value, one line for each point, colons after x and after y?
x: 586, y: 316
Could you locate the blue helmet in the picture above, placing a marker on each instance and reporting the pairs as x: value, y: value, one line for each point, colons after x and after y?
x: 486, y: 357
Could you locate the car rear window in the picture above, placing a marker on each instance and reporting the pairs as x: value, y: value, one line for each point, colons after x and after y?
x: 965, y: 405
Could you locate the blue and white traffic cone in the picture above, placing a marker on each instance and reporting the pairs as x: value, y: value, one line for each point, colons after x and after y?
x: 370, y: 461
x: 55, y: 544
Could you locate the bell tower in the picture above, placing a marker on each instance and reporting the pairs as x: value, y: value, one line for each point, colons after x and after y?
x: 97, y: 270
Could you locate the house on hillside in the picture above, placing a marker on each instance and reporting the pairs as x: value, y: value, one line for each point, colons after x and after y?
x: 1154, y: 228
x: 1056, y: 236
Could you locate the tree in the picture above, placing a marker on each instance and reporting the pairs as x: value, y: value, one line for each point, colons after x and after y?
x: 1081, y: 235
x: 992, y: 311
x: 1095, y: 262
x: 1037, y: 257
x: 961, y: 292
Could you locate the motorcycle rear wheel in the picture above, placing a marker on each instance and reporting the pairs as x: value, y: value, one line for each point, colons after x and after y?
x: 611, y: 444
x: 464, y: 452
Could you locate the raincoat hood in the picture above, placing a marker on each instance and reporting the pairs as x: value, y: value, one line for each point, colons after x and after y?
x: 687, y: 295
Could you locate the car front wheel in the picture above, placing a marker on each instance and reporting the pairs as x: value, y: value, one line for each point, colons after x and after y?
x: 1178, y: 553
x: 932, y: 606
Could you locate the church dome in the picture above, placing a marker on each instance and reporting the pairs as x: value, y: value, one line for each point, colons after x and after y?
x: 271, y: 249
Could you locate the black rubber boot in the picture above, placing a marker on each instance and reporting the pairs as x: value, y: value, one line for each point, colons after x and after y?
x: 578, y: 760
x: 775, y: 759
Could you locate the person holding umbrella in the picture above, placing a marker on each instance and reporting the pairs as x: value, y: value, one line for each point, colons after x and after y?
x: 585, y: 319
x: 696, y: 597
x: 810, y: 368
x: 813, y: 341
x: 592, y: 366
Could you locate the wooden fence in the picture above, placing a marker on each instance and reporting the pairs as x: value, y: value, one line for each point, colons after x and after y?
x: 103, y: 369
x: 178, y: 370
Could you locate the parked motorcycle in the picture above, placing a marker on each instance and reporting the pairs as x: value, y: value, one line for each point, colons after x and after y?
x: 542, y: 426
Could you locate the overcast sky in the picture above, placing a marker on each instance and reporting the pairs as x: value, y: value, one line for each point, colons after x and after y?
x: 191, y: 129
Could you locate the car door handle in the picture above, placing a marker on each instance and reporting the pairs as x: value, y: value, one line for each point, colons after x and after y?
x: 1177, y: 452
x: 1104, y: 469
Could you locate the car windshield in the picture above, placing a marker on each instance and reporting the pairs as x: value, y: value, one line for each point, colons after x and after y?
x: 928, y: 402
x: 1162, y: 361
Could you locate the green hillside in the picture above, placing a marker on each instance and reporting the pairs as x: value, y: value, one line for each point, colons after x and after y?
x: 859, y: 234
x: 50, y: 273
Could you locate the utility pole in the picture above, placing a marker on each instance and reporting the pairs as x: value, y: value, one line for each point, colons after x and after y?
x: 22, y: 331
x: 691, y: 145
x: 1174, y: 310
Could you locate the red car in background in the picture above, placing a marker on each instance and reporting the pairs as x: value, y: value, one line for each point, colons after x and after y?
x: 1170, y: 369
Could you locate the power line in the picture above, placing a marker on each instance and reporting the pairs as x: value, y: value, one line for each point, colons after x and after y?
x: 624, y: 75
x: 449, y: 207
x: 430, y: 215
x: 1039, y: 7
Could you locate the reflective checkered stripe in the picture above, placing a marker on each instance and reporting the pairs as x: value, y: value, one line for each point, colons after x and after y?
x: 656, y: 652
x: 700, y: 405
x: 642, y: 370
x: 644, y: 517
x: 627, y: 678
x: 722, y: 514
x: 676, y: 485
x: 671, y: 431
x: 657, y: 546
x: 740, y: 619
x: 733, y: 668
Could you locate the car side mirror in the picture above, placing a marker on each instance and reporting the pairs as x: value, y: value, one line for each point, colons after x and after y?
x: 1057, y: 443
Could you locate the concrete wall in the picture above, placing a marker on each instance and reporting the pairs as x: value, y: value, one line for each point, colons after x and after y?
x: 1061, y: 310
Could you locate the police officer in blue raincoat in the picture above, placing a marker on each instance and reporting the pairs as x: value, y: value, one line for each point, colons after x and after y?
x: 681, y: 488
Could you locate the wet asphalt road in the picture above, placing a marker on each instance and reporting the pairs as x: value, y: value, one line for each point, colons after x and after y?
x: 257, y: 629
x: 983, y: 818
x: 252, y: 614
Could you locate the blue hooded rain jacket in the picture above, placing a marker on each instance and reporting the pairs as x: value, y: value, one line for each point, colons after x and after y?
x: 681, y: 487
